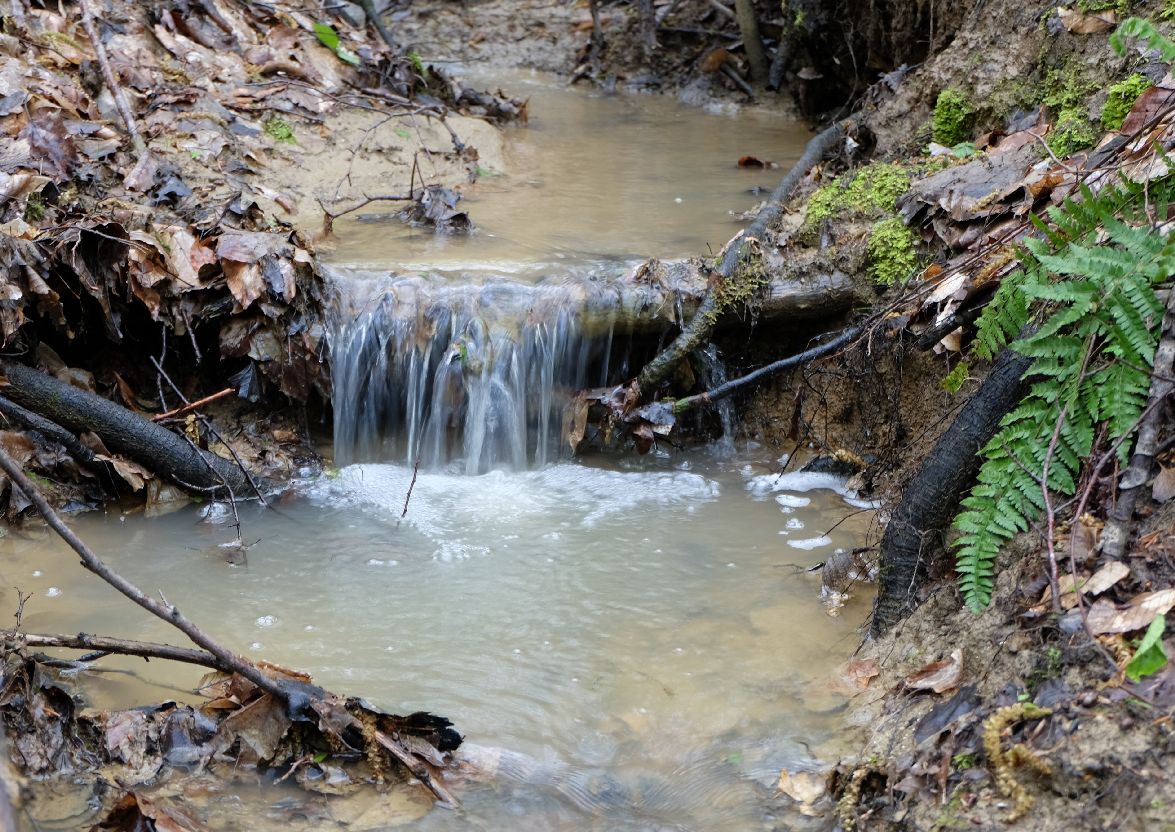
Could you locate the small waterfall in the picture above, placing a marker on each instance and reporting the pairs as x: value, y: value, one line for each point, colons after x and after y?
x: 713, y: 374
x: 453, y: 374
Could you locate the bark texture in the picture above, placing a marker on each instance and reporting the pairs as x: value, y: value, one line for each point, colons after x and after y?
x: 123, y: 431
x: 929, y: 502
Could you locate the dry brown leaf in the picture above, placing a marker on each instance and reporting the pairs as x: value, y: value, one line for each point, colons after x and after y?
x: 1087, y: 24
x: 939, y: 676
x: 244, y: 281
x: 1105, y: 578
x: 861, y: 672
x: 133, y: 473
x: 1105, y: 617
x: 1163, y: 488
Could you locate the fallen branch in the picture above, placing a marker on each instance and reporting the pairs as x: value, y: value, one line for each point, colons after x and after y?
x: 724, y: 390
x: 51, y: 431
x: 116, y: 90
x: 1116, y: 534
x: 702, y: 324
x: 121, y: 646
x: 122, y: 431
x: 928, y: 503
x: 228, y: 661
x: 368, y: 7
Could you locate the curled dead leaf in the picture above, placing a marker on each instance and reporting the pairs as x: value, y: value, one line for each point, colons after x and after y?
x: 938, y: 676
x: 1093, y: 23
x: 860, y: 672
x: 1105, y: 617
x: 806, y: 788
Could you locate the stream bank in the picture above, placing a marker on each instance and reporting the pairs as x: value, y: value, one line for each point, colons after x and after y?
x: 1015, y: 71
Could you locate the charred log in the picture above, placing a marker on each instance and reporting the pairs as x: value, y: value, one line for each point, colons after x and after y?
x: 915, y: 532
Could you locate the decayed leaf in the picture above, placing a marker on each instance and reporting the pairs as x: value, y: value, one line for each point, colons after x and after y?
x: 244, y: 281
x: 1163, y: 488
x: 1105, y: 617
x: 938, y: 676
x: 575, y: 420
x: 860, y: 672
x: 806, y: 788
x: 133, y: 473
x: 1105, y: 578
x: 1092, y: 23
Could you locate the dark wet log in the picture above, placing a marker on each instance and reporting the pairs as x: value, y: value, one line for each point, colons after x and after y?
x: 1141, y: 470
x: 748, y: 26
x: 738, y: 251
x: 123, y: 431
x: 916, y: 530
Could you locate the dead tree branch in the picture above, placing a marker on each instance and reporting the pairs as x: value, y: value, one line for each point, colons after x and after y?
x: 188, y: 408
x: 116, y: 90
x: 228, y: 660
x: 724, y: 390
x: 702, y: 324
x: 121, y: 646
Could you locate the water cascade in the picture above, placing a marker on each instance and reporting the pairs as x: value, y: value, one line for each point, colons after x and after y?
x: 472, y: 376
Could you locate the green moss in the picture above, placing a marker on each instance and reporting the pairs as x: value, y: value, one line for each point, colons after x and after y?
x: 1071, y: 133
x: 952, y: 117
x: 891, y: 252
x: 278, y: 129
x: 1121, y: 98
x: 1120, y: 7
x: 1168, y: 11
x: 873, y: 188
x: 34, y: 209
x: 1067, y: 86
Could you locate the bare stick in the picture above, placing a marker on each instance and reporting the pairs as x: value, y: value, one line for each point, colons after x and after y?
x: 418, y: 768
x: 124, y: 107
x: 367, y: 200
x: 228, y: 660
x: 187, y: 408
x: 724, y: 390
x: 368, y: 7
x: 1118, y: 526
x: 124, y: 647
x: 411, y: 485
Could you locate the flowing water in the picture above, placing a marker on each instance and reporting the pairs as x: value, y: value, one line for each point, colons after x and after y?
x: 636, y: 638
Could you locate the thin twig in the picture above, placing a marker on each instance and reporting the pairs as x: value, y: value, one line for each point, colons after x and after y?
x: 411, y: 485
x: 367, y: 200
x: 229, y: 661
x: 180, y: 411
x: 116, y: 90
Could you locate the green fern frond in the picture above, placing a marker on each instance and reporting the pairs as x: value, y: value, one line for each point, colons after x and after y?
x: 1090, y: 283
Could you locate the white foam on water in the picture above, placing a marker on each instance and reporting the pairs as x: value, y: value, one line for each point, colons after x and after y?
x: 810, y: 543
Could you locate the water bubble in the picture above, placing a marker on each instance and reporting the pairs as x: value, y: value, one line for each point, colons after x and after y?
x: 309, y: 628
x: 684, y: 466
x: 256, y: 645
x: 266, y: 621
x: 656, y: 551
x: 679, y: 650
x: 678, y: 200
x: 517, y: 651
x: 52, y: 592
x: 393, y: 563
x: 37, y: 573
x: 375, y: 562
x: 730, y: 565
x: 795, y: 523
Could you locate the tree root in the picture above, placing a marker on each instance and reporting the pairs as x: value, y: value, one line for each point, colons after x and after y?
x: 929, y: 501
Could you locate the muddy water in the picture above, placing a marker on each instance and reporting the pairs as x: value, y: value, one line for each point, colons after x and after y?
x: 637, y: 638
x: 593, y: 178
x: 643, y: 627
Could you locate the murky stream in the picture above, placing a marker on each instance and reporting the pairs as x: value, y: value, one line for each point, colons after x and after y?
x: 639, y: 632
